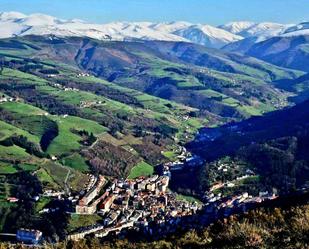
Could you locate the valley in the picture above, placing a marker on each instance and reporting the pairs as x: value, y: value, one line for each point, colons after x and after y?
x: 198, y: 132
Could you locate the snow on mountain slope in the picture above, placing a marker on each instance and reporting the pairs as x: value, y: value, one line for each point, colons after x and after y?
x: 237, y: 27
x: 207, y: 35
x: 5, y: 16
x: 296, y: 30
x: 265, y: 30
x: 15, y: 24
x: 261, y: 31
x: 18, y: 24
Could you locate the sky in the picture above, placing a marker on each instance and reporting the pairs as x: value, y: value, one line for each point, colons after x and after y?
x: 212, y: 12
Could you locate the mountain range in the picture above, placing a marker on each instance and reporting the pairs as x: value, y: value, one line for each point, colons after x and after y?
x: 18, y: 24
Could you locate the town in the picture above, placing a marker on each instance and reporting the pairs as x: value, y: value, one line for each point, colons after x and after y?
x: 128, y: 204
x: 147, y: 205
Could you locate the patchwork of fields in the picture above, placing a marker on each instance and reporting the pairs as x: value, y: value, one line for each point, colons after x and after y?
x: 68, y: 110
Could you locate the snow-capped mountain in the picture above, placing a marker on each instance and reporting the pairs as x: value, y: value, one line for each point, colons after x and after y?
x: 208, y: 35
x: 261, y: 31
x: 296, y: 30
x: 17, y: 24
x: 237, y: 27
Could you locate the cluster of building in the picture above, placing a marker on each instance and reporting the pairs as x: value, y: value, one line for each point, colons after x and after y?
x: 59, y: 86
x: 87, y: 104
x: 132, y: 204
x: 181, y: 164
x: 53, y: 193
x: 83, y: 75
x: 4, y: 99
x: 50, y: 75
x: 218, y: 206
x: 89, y: 202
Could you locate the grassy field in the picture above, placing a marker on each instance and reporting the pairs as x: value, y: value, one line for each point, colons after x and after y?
x: 22, y: 108
x: 35, y: 125
x: 46, y: 180
x: 187, y: 198
x: 171, y: 155
x: 42, y: 203
x: 28, y: 167
x: 5, y: 192
x: 6, y: 168
x: 13, y: 74
x: 141, y: 169
x: 13, y: 152
x: 7, y: 130
x: 76, y: 161
x: 148, y: 101
x: 76, y: 221
x: 67, y: 141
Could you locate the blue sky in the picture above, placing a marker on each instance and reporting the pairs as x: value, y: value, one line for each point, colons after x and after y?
x: 199, y: 11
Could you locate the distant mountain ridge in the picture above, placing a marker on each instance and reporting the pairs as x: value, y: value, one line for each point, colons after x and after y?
x: 18, y: 24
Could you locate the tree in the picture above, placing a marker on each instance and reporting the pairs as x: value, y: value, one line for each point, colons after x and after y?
x: 1, y: 64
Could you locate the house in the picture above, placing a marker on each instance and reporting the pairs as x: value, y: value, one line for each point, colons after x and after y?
x: 216, y: 186
x: 111, y: 218
x: 51, y: 75
x: 80, y: 209
x: 29, y: 236
x: 3, y: 100
x: 94, y: 191
x: 12, y: 199
x: 107, y: 203
x: 141, y: 185
x: 194, y: 161
x: 151, y: 186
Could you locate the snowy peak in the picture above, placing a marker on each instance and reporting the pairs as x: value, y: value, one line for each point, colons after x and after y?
x: 6, y: 16
x: 14, y: 23
x: 207, y: 35
x: 18, y: 24
x: 295, y: 30
x: 237, y: 27
x: 260, y: 30
x: 39, y: 20
x: 267, y: 29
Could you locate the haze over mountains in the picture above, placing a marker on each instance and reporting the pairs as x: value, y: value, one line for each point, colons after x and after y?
x: 18, y: 24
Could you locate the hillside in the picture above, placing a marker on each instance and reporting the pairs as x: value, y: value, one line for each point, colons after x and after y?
x: 272, y: 146
x: 286, y: 122
x: 72, y: 108
x: 73, y: 112
x: 111, y: 106
x: 224, y: 84
x: 289, y: 51
x: 59, y: 123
